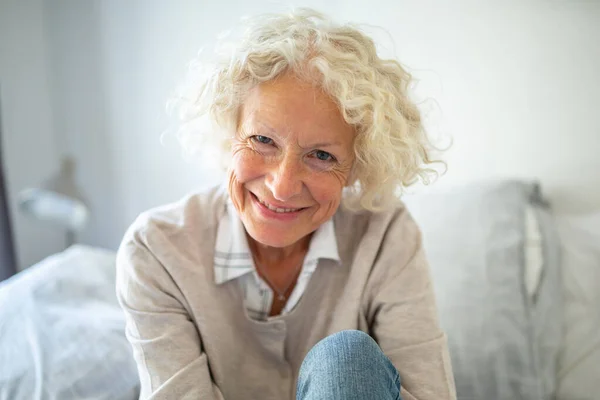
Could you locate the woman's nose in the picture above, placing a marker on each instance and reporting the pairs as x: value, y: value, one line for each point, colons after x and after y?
x: 285, y: 180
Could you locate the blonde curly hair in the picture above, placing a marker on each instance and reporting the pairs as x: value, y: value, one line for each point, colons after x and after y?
x: 392, y: 150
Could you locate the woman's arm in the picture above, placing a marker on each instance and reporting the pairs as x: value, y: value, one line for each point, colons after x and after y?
x: 166, y: 343
x: 403, y: 317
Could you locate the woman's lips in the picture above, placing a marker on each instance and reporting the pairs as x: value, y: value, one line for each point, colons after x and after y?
x: 276, y: 212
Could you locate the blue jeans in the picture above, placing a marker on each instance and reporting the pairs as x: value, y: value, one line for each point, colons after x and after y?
x: 348, y: 365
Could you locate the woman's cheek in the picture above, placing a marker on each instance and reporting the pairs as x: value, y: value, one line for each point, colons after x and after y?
x: 236, y: 190
x: 326, y: 191
x: 237, y: 176
x: 246, y: 166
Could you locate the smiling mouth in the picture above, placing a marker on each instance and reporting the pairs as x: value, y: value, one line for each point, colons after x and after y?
x: 276, y: 209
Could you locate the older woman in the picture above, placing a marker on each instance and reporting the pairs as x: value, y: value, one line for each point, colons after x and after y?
x: 304, y: 277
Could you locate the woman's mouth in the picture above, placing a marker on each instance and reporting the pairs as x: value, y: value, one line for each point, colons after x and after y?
x: 276, y: 209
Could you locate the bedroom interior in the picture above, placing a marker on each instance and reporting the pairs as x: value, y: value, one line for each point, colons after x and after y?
x: 514, y: 222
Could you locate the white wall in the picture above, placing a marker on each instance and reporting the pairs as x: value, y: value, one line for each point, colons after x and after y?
x: 30, y: 154
x: 517, y: 84
x: 81, y: 91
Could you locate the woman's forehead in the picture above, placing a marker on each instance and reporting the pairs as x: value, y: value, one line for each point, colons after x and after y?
x: 291, y: 107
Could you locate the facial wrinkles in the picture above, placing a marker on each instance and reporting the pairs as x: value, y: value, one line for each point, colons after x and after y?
x: 291, y: 130
x: 236, y: 191
x: 290, y: 146
x: 239, y: 149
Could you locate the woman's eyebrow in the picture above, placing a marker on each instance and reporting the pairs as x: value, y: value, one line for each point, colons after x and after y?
x: 260, y: 124
x: 265, y: 126
x: 323, y: 144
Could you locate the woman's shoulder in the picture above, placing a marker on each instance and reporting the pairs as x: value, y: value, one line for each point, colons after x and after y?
x: 196, y: 211
x: 391, y: 231
x: 166, y: 245
x: 396, y: 217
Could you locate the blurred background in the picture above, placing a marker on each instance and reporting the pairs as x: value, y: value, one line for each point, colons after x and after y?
x: 515, y: 84
x: 85, y: 147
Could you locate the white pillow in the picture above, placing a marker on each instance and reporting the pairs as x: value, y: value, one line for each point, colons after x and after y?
x: 579, y: 357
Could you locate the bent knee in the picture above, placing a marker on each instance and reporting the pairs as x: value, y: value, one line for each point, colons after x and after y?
x: 344, y: 346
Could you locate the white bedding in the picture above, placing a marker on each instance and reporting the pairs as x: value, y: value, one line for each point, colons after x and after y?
x: 579, y: 359
x: 62, y: 331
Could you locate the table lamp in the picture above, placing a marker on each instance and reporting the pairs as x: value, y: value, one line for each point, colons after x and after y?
x: 58, y: 200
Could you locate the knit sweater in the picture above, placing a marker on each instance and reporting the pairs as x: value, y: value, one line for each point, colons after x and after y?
x: 193, y: 339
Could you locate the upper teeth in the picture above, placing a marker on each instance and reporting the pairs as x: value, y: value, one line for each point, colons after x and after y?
x: 276, y: 209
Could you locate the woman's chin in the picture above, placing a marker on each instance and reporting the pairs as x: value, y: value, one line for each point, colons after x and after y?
x: 276, y: 238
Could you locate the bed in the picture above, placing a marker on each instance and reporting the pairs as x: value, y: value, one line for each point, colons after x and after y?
x: 62, y: 331
x: 531, y: 280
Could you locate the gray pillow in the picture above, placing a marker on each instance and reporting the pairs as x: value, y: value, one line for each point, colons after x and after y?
x: 503, y: 344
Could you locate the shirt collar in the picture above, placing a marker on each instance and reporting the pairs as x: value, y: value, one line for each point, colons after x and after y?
x: 232, y: 253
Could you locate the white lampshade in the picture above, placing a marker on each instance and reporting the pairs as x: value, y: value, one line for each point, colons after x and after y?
x: 57, y: 200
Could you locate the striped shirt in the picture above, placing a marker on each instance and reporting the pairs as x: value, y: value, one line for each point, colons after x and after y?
x: 233, y: 260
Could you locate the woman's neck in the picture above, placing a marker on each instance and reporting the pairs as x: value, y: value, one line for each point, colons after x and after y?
x: 268, y: 255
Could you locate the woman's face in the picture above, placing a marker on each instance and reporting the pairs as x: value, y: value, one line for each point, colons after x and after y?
x: 292, y: 156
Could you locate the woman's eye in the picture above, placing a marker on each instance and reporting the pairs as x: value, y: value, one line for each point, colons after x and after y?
x: 324, y: 156
x: 262, y: 139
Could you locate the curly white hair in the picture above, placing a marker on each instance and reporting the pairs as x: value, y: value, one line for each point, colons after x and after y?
x: 392, y: 150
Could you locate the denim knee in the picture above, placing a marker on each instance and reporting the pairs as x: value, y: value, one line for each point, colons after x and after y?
x: 348, y: 365
x: 355, y: 343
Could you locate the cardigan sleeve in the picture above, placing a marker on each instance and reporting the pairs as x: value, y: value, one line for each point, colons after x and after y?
x: 403, y: 317
x: 166, y: 343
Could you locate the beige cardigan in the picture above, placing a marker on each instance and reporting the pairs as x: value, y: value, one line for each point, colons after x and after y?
x: 193, y: 339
